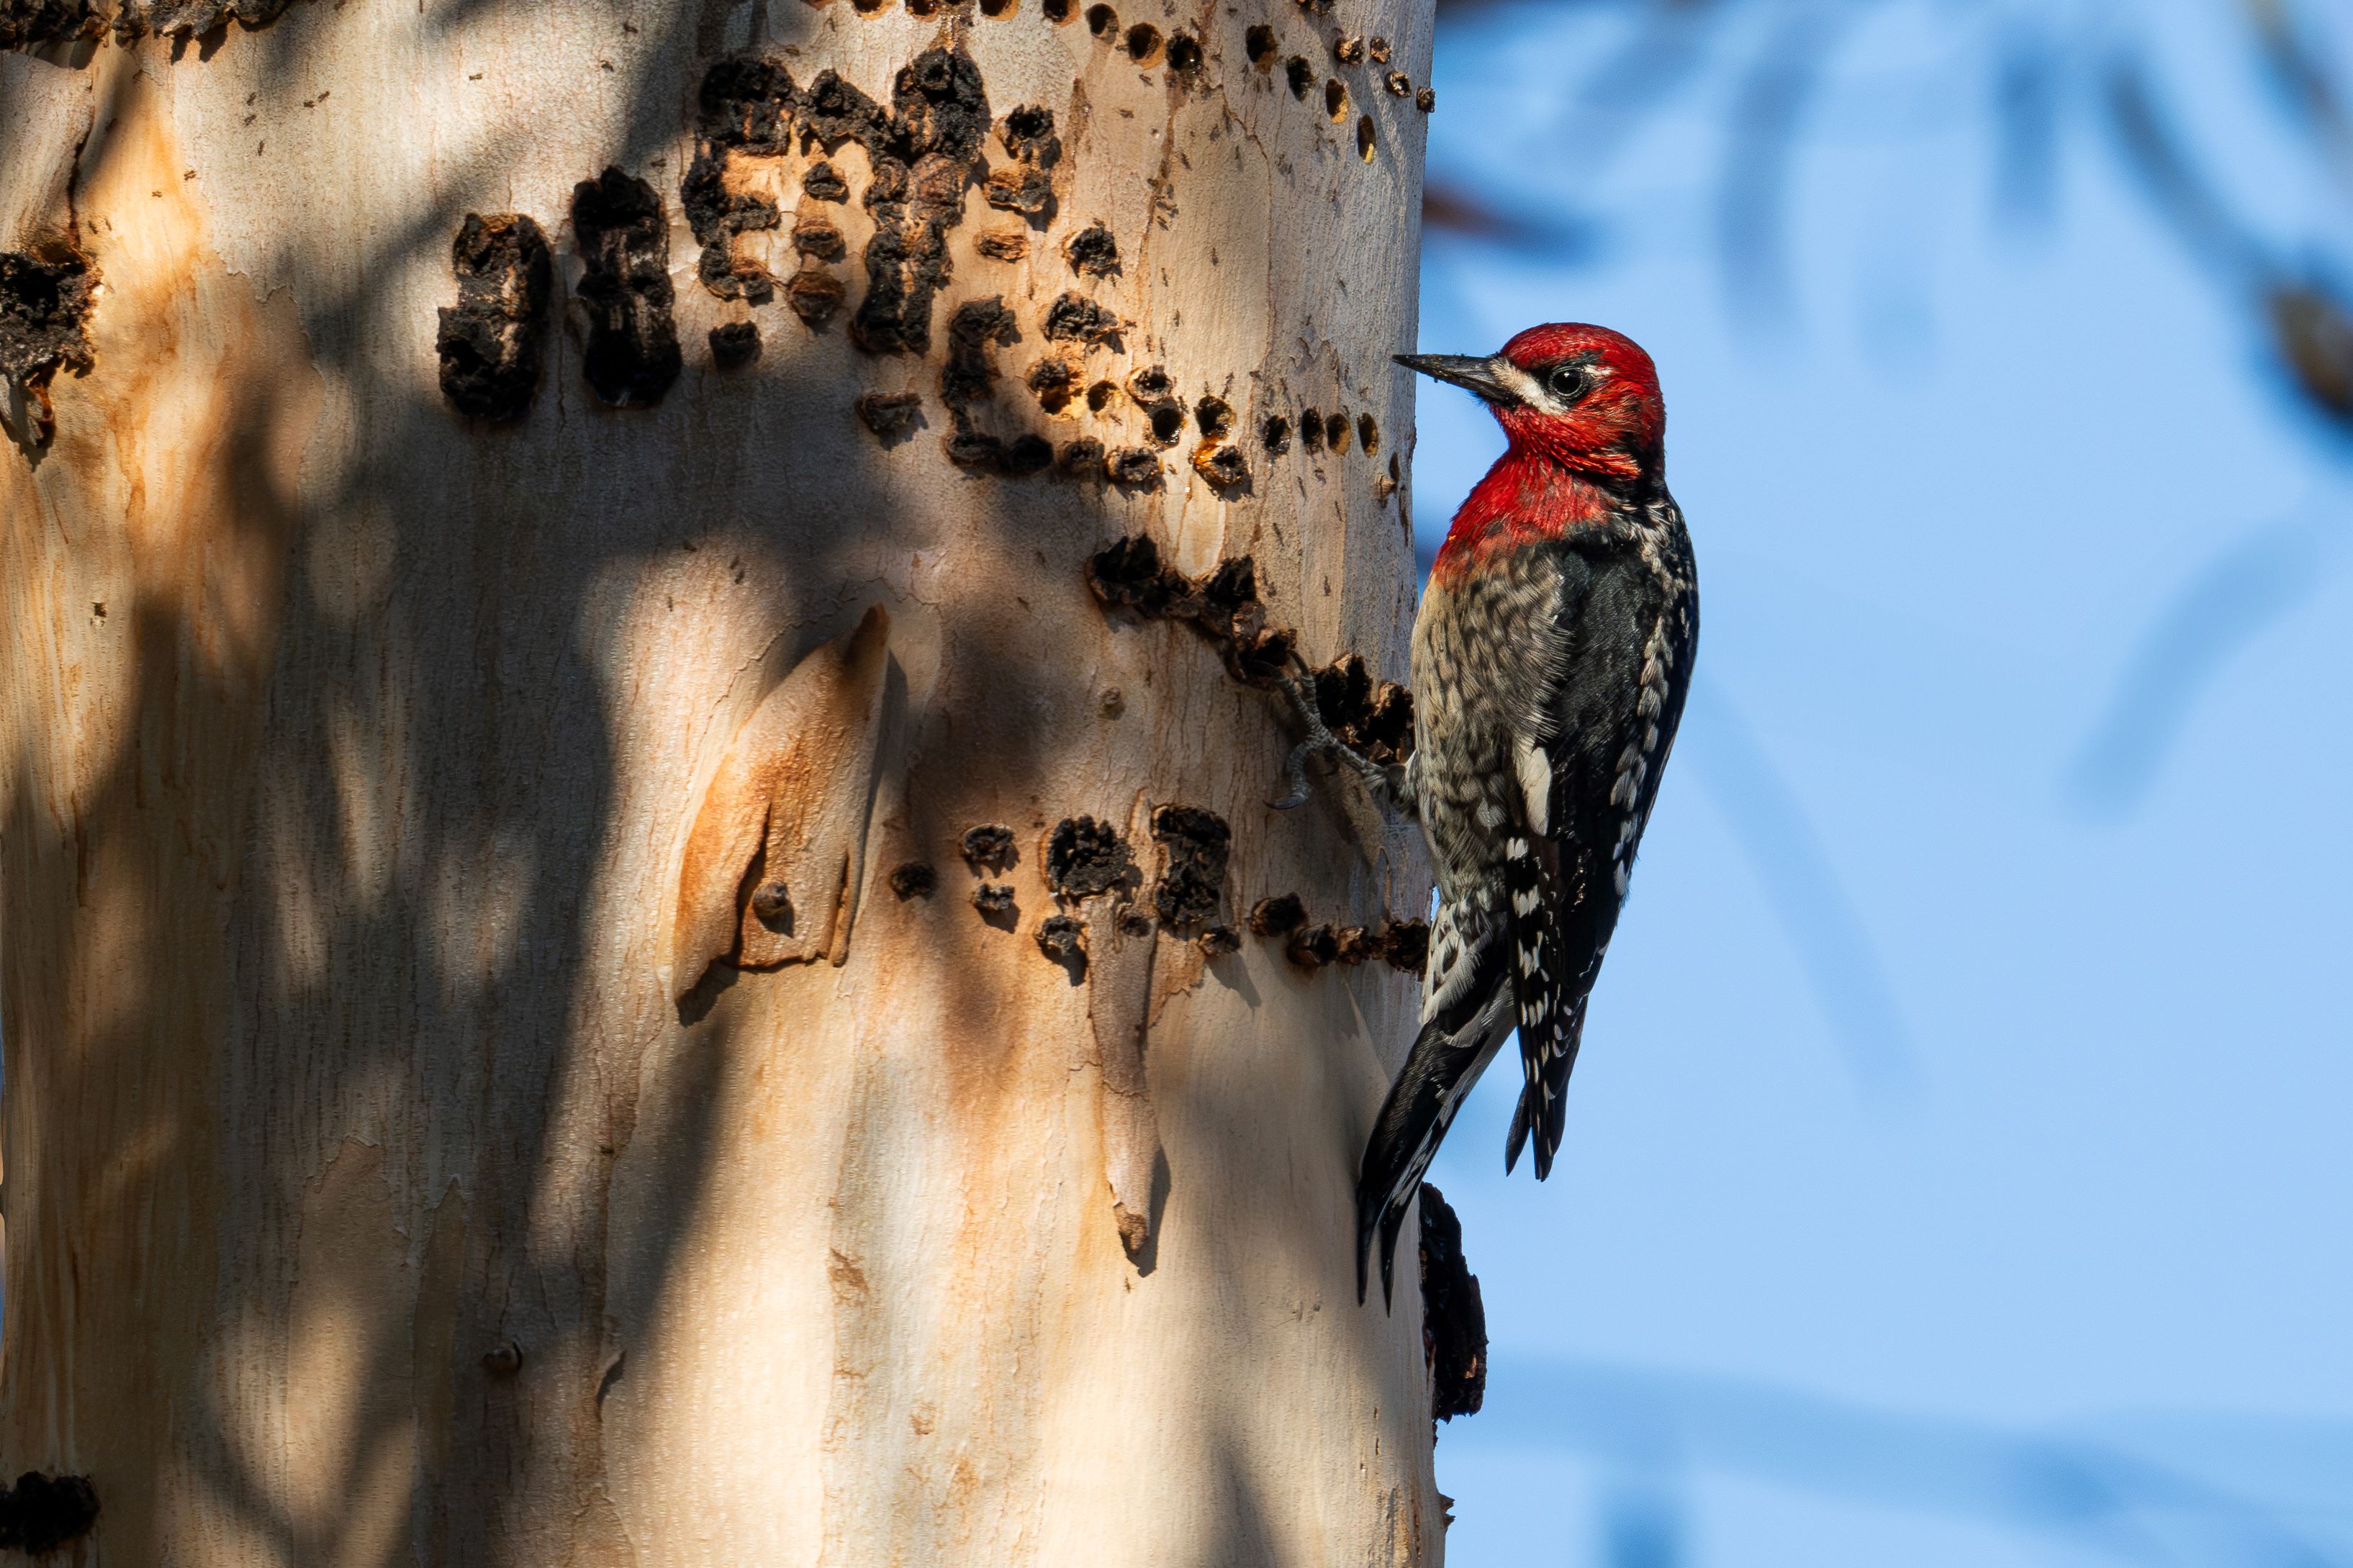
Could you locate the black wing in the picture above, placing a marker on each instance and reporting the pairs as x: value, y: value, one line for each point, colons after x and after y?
x: 1627, y: 632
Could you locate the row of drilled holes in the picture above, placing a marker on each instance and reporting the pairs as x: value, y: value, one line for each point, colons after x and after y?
x: 1258, y: 43
x: 1215, y: 419
x: 1320, y: 432
x: 1142, y: 42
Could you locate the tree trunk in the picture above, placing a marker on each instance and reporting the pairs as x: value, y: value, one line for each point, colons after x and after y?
x: 509, y: 1058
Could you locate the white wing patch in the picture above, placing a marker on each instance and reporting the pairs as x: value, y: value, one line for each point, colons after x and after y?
x: 1535, y: 769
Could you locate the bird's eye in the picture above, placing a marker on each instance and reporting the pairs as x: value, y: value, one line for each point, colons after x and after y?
x: 1567, y: 382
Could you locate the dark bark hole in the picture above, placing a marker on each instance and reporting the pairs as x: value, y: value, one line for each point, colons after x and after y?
x: 1027, y: 454
x: 1214, y: 417
x: 735, y: 344
x: 1084, y: 858
x: 489, y: 340
x: 1370, y: 716
x: 1278, y: 916
x: 1062, y: 939
x: 990, y: 847
x: 1055, y: 384
x: 632, y: 356
x: 815, y: 295
x: 1336, y: 99
x: 1168, y: 419
x: 891, y: 416
x: 995, y: 902
x: 1099, y: 396
x: 41, y: 1513
x: 1365, y: 138
x: 1102, y: 21
x: 1028, y: 135
x: 1275, y: 434
x: 772, y: 902
x: 1075, y: 318
x: 1311, y: 430
x: 1349, y: 50
x: 819, y: 238
x: 1058, y: 11
x: 1144, y: 44
x: 1259, y: 44
x: 1094, y: 251
x: 1335, y: 431
x: 1369, y: 435
x: 1137, y: 467
x: 1379, y: 48
x: 913, y: 879
x: 1313, y: 947
x: 1224, y: 467
x: 1082, y: 457
x: 1184, y: 54
x: 1194, y: 845
x: 824, y: 183
x: 996, y: 7
x: 1301, y: 75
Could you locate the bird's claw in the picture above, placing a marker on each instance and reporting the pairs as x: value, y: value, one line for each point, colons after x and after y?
x: 1294, y: 773
x: 1320, y: 738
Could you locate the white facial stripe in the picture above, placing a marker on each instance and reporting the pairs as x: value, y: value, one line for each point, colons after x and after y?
x: 1531, y: 391
x: 1523, y: 386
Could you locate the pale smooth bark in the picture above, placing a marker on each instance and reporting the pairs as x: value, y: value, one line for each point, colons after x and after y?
x: 380, y: 1184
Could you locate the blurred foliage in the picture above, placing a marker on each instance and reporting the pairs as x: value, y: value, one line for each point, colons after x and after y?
x: 1774, y: 69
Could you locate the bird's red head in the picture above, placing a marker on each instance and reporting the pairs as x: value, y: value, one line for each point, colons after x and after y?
x: 1584, y: 397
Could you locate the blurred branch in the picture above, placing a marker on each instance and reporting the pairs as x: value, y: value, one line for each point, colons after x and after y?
x: 2308, y: 83
x: 2225, y: 607
x: 2028, y: 80
x: 1768, y: 819
x: 1768, y: 108
x: 2154, y: 153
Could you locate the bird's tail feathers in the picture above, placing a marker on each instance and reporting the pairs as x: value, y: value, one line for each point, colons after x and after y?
x: 1466, y: 1018
x: 1541, y: 988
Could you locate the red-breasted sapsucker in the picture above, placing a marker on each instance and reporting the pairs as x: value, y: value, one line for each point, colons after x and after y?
x: 1551, y: 657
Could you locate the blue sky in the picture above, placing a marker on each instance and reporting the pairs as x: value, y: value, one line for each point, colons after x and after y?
x: 1957, y: 1168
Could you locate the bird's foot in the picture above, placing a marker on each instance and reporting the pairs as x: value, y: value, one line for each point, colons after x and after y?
x: 1388, y: 783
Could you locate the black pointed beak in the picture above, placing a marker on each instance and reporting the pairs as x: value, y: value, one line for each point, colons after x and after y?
x: 1468, y: 371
